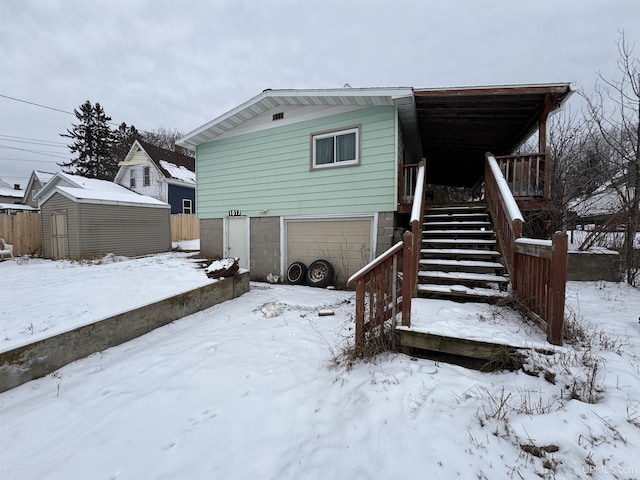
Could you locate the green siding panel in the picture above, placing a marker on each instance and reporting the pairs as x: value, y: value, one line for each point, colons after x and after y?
x: 270, y: 169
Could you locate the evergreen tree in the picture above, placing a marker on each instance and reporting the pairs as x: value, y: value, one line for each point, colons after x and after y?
x: 123, y: 138
x: 92, y: 143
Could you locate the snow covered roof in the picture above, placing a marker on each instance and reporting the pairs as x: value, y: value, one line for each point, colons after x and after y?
x: 16, y: 206
x: 179, y: 172
x: 91, y: 190
x: 122, y: 197
x: 11, y: 192
x: 607, y: 199
x: 43, y: 177
x: 174, y: 166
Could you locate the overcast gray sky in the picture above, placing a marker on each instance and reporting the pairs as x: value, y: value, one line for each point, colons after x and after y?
x: 179, y: 64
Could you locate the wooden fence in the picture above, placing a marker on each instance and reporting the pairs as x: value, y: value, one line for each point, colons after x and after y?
x: 22, y: 230
x: 184, y: 227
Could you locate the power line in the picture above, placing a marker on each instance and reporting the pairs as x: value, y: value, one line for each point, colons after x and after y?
x: 42, y: 144
x: 37, y: 104
x: 33, y: 139
x: 25, y: 160
x: 49, y: 108
x: 33, y: 151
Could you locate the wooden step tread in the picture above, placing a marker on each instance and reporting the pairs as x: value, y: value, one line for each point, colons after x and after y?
x: 461, y: 263
x: 460, y: 252
x: 453, y: 215
x: 459, y: 223
x: 462, y: 276
x: 461, y: 291
x: 459, y: 232
x: 463, y: 241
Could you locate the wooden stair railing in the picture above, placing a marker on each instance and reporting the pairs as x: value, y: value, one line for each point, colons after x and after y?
x: 538, y: 268
x: 381, y: 292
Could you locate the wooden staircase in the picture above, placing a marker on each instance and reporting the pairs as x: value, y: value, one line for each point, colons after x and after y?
x: 459, y: 259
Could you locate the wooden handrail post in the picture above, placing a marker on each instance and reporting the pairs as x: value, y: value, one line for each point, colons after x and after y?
x: 360, y: 312
x: 408, y: 277
x: 557, y: 285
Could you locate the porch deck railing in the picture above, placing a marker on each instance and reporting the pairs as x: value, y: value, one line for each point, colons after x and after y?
x: 538, y: 268
x: 525, y: 174
x: 385, y: 286
x: 407, y: 177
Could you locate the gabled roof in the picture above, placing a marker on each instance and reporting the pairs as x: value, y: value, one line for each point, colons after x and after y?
x: 91, y: 190
x: 175, y: 167
x: 402, y: 97
x: 452, y: 128
x: 40, y: 176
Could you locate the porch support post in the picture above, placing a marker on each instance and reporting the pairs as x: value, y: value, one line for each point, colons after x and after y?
x: 549, y: 101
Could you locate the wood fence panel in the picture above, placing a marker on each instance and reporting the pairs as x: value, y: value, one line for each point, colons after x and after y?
x: 184, y: 227
x: 24, y: 231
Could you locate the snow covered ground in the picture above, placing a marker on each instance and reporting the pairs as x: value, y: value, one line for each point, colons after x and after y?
x: 249, y: 389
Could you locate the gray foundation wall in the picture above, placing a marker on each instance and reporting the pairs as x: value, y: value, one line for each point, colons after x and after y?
x: 211, y: 237
x: 386, y: 226
x: 40, y: 358
x: 264, y: 247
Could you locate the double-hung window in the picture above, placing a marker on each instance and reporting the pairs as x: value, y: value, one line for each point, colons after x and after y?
x: 338, y: 148
x: 186, y: 206
x: 132, y: 178
x: 146, y: 178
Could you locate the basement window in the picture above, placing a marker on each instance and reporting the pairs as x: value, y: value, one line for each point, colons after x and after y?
x: 337, y: 148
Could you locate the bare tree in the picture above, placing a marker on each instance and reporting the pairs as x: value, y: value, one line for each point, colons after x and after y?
x: 614, y: 112
x: 165, y: 138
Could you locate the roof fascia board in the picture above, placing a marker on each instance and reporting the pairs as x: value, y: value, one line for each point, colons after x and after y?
x: 539, y: 88
x: 271, y: 99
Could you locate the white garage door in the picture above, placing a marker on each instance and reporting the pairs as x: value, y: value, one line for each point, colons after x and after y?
x: 344, y: 243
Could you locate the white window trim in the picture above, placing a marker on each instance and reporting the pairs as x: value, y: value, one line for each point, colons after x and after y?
x: 285, y: 220
x: 335, y: 133
x: 132, y: 178
x: 184, y: 201
x: 146, y: 176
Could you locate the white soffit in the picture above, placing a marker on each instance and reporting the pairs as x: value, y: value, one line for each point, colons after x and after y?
x: 364, y: 97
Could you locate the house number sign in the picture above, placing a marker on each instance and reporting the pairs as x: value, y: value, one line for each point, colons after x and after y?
x: 235, y: 213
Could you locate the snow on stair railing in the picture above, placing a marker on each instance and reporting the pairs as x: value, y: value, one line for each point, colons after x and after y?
x: 538, y: 268
x: 504, y: 210
x: 385, y: 286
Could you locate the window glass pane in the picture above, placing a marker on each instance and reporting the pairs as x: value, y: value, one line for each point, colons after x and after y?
x: 346, y: 147
x: 324, y: 150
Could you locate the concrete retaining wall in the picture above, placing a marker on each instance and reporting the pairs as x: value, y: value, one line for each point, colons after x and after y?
x: 40, y: 358
x: 596, y: 264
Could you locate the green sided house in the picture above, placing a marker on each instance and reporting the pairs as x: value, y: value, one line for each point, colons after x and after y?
x: 300, y: 175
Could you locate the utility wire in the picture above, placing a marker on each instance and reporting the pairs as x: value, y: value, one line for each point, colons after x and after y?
x: 32, y: 139
x: 33, y: 151
x: 37, y: 104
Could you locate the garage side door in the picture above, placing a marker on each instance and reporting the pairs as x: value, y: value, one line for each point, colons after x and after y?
x: 344, y: 243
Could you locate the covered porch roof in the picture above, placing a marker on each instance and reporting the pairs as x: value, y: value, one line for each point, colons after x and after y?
x: 457, y: 126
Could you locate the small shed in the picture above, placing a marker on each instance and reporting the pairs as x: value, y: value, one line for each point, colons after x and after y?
x: 87, y: 218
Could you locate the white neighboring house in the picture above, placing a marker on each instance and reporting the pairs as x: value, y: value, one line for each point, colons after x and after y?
x: 162, y: 174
